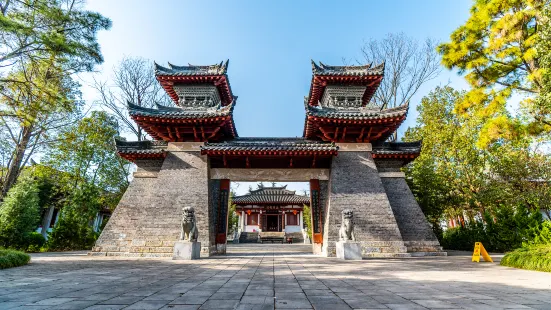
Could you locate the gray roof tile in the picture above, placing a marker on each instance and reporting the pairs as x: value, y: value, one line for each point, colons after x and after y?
x: 323, y: 69
x: 191, y: 70
x: 180, y: 113
x: 362, y: 113
x: 270, y: 144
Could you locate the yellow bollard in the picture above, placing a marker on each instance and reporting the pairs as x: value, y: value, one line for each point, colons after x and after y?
x: 479, y: 249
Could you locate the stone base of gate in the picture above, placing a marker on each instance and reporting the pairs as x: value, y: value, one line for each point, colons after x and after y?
x: 147, y: 221
x: 376, y: 249
x: 425, y: 248
x: 349, y: 250
x: 185, y: 250
x: 221, y: 248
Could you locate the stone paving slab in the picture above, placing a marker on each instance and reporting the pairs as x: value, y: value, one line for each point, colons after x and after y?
x: 269, y: 280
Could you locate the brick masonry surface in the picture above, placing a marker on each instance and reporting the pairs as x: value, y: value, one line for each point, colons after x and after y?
x: 147, y: 220
x: 414, y: 227
x: 355, y: 184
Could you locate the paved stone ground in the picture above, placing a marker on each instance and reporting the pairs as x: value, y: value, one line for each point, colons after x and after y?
x: 269, y: 278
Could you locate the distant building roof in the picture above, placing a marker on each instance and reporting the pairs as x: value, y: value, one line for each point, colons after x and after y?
x: 271, y: 195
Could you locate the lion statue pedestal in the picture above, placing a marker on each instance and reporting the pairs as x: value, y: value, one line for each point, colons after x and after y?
x: 347, y: 247
x: 187, y: 248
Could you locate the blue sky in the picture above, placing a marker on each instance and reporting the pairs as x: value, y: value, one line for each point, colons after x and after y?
x: 269, y: 45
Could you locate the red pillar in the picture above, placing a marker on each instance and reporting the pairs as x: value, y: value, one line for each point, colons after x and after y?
x: 316, y: 212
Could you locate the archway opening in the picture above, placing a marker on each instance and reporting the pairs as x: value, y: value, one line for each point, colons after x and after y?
x: 268, y: 218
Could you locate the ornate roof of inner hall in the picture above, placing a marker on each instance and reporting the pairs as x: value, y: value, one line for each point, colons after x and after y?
x: 275, y: 195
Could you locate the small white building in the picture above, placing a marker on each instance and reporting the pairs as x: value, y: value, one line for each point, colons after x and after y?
x: 274, y: 209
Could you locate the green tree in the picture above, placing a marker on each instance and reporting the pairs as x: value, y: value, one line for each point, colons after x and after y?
x: 44, y: 44
x: 95, y: 177
x: 307, y: 218
x: 86, y: 152
x: 496, y: 49
x: 453, y: 177
x: 233, y: 218
x: 19, y: 213
x: 541, y: 110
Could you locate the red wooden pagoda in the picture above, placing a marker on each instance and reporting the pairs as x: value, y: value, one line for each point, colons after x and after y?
x: 338, y: 108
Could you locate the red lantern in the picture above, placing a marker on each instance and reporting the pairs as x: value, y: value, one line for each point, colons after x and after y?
x: 248, y: 212
x: 295, y: 212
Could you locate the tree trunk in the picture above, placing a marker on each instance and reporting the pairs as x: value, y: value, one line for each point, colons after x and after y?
x: 15, y: 166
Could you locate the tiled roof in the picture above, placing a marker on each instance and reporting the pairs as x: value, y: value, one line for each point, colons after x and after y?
x: 271, y: 195
x: 362, y: 113
x: 397, y: 148
x: 270, y: 144
x: 189, y: 70
x: 323, y: 69
x: 140, y: 147
x: 180, y: 113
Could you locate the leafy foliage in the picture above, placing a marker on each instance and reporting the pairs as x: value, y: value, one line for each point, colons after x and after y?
x: 496, y: 49
x: 12, y: 258
x: 506, y: 229
x: 534, y: 254
x: 86, y: 152
x: 19, y: 214
x: 74, y: 231
x: 34, y: 242
x: 541, y: 109
x: 454, y: 178
x: 93, y: 176
x: 44, y: 44
x: 307, y: 218
x: 233, y: 218
x: 532, y: 258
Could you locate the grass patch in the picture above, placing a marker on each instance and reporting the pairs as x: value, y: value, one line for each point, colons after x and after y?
x: 532, y: 258
x: 12, y: 258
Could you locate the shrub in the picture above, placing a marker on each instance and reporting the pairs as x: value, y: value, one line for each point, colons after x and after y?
x: 19, y: 214
x: 543, y: 236
x: 71, y: 233
x: 535, y: 254
x: 506, y: 229
x: 533, y: 258
x: 34, y: 241
x: 73, y: 230
x: 12, y: 258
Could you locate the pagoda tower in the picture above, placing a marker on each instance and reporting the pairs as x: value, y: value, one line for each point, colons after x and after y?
x: 196, y: 152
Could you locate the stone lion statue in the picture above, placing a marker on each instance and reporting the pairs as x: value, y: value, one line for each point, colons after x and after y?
x: 346, y: 233
x: 189, y: 225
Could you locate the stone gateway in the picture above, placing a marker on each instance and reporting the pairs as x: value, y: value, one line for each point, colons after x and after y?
x: 344, y: 153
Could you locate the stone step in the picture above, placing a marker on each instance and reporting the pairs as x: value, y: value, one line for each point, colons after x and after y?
x: 385, y: 255
x: 248, y: 237
x: 420, y: 254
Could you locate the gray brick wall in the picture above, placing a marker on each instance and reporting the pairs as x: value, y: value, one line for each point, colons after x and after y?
x: 355, y: 184
x: 414, y: 227
x: 147, y: 220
